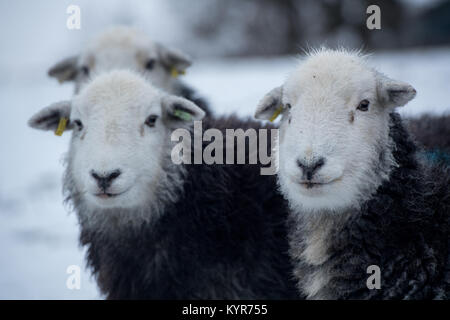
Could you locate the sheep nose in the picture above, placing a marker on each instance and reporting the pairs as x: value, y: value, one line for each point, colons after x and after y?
x: 105, y: 179
x: 309, y: 169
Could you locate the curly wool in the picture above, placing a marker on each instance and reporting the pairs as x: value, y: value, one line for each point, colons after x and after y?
x: 224, y: 237
x: 403, y: 228
x: 432, y: 132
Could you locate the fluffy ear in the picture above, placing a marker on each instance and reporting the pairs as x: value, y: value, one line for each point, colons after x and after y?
x: 49, y: 117
x: 65, y: 70
x: 173, y: 59
x: 177, y: 110
x: 393, y: 93
x: 271, y: 105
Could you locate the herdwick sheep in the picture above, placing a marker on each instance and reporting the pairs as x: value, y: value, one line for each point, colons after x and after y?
x: 158, y: 230
x: 124, y: 47
x: 359, y: 198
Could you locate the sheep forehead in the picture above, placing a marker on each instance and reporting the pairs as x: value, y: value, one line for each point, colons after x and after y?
x: 120, y: 37
x: 119, y: 42
x: 330, y: 74
x: 116, y: 93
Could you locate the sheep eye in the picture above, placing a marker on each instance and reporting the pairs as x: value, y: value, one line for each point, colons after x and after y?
x: 85, y: 70
x: 151, y: 120
x: 363, y: 105
x: 150, y: 64
x: 79, y: 124
x: 288, y: 105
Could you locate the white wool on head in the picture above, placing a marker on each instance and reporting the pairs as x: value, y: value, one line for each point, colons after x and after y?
x: 123, y: 47
x: 119, y: 47
x: 324, y: 130
x: 113, y: 110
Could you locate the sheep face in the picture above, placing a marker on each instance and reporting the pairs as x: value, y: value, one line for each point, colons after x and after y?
x: 123, y: 48
x: 334, y: 146
x: 121, y: 135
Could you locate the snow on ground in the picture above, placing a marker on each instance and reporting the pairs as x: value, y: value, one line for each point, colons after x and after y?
x: 38, y: 235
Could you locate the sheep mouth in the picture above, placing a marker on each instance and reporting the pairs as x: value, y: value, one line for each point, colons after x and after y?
x: 310, y: 184
x: 316, y: 184
x: 107, y: 195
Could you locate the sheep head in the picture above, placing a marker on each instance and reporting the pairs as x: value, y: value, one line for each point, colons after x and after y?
x: 334, y: 147
x: 123, y: 48
x: 121, y: 129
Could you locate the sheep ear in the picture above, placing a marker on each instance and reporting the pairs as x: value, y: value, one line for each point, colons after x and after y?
x: 174, y: 60
x: 177, y: 110
x: 65, y: 70
x: 50, y: 117
x: 393, y: 93
x: 271, y: 105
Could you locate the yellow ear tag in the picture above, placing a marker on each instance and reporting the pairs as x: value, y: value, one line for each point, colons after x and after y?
x: 276, y: 113
x: 175, y: 73
x: 61, y: 126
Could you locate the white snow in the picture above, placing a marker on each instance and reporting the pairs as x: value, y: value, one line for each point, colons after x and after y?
x: 38, y: 238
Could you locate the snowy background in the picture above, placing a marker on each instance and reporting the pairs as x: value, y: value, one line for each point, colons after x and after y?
x: 38, y: 234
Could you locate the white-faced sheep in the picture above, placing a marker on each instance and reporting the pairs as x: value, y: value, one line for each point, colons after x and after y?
x: 124, y: 47
x: 357, y: 193
x: 159, y: 230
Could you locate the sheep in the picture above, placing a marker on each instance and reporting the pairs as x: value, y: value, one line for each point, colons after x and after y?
x: 123, y: 47
x: 157, y: 230
x: 359, y: 197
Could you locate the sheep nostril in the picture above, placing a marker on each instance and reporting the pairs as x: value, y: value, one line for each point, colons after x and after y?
x: 309, y: 169
x: 319, y: 163
x: 114, y: 174
x: 104, y: 181
x: 95, y: 175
